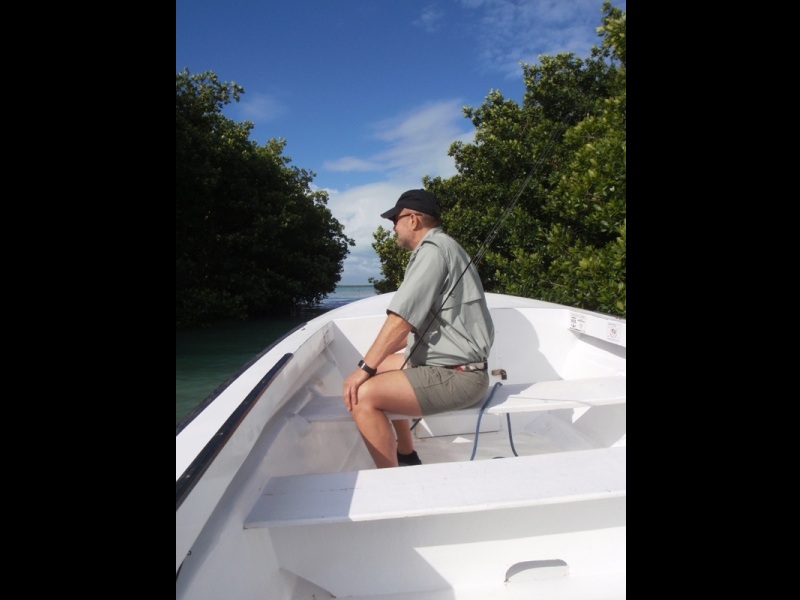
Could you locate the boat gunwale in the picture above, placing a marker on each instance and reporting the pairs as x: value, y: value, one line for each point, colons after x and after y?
x: 190, y: 416
x: 186, y: 482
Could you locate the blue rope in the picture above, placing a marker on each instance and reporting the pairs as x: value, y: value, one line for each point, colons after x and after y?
x: 510, y: 439
x: 480, y: 415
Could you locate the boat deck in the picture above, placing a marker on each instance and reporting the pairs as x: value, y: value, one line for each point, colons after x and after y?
x: 519, y: 419
x: 491, y: 444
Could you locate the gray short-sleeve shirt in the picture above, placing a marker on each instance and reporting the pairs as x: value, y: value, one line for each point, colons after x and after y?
x: 462, y: 331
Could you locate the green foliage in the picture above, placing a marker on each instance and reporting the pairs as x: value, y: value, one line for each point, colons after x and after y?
x: 613, y: 32
x: 393, y: 261
x: 540, y: 196
x: 251, y: 238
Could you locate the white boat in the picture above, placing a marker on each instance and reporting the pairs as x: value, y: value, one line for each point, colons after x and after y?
x: 522, y: 496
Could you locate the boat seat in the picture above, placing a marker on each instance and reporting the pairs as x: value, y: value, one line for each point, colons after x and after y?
x: 430, y: 489
x: 320, y: 525
x: 562, y: 393
x: 507, y: 398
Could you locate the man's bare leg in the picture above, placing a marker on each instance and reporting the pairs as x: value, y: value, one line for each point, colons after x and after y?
x: 386, y: 392
x: 378, y: 436
x: 405, y: 442
x: 402, y: 427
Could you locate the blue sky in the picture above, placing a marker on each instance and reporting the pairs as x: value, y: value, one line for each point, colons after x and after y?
x: 368, y: 93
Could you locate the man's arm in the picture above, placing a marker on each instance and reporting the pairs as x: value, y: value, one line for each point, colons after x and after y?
x: 390, y: 339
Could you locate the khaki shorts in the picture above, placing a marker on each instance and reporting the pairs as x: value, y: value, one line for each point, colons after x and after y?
x: 439, y: 389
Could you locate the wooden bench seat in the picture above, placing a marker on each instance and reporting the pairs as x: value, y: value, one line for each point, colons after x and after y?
x: 441, y: 488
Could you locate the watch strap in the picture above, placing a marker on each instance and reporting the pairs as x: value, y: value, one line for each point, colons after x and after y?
x: 365, y: 367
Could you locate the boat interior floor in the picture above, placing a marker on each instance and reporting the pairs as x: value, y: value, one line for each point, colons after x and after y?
x: 491, y: 444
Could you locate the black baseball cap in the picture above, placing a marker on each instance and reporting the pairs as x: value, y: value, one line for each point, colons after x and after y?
x: 419, y: 200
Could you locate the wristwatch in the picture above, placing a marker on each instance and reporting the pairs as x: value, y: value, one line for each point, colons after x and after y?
x: 365, y: 367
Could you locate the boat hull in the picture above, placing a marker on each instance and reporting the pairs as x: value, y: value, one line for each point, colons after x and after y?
x: 462, y: 525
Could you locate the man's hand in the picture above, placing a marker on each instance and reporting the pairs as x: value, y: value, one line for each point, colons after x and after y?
x: 350, y: 388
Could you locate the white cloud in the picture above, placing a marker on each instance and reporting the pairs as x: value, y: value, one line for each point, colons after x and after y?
x: 350, y: 163
x: 359, y: 210
x: 511, y: 31
x: 429, y: 18
x: 416, y: 145
x: 259, y: 108
x: 418, y: 141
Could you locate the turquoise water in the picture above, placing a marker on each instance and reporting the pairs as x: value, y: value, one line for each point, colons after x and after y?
x: 207, y: 358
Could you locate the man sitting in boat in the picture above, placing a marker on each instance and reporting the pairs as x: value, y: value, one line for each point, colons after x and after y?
x: 440, y: 318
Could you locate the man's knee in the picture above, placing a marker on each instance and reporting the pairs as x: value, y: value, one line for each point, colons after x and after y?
x: 366, y: 399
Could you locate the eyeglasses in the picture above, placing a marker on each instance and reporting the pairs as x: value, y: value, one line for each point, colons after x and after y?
x: 396, y: 219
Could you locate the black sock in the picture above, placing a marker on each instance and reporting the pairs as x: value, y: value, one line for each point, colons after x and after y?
x: 408, y: 459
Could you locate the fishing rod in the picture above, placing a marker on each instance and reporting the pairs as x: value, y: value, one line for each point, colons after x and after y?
x: 478, y: 256
x: 490, y: 237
